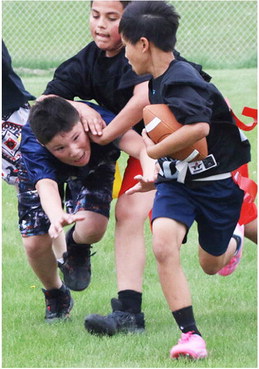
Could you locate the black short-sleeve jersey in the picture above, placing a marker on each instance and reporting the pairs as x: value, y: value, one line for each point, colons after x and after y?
x: 91, y: 75
x: 194, y: 100
x: 110, y: 81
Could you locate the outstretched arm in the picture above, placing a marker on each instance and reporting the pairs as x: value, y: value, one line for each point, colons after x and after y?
x: 129, y: 116
x: 143, y: 185
x: 51, y: 204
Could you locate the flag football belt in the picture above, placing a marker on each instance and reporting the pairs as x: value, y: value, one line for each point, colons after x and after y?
x: 195, y: 167
x: 247, y: 185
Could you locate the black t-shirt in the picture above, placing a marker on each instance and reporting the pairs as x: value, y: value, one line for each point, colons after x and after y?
x: 14, y: 94
x: 110, y: 81
x: 194, y: 100
x: 90, y: 75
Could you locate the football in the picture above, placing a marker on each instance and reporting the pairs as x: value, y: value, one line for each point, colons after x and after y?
x: 160, y: 122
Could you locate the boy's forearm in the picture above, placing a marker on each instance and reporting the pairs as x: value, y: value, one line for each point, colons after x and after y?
x: 129, y: 116
x: 147, y: 164
x: 184, y: 137
x: 133, y: 144
x: 50, y: 198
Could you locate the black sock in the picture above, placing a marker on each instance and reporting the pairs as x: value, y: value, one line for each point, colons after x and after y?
x: 185, y: 320
x: 131, y: 301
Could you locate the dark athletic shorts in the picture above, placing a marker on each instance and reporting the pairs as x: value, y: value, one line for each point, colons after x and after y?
x: 214, y: 206
x: 33, y: 220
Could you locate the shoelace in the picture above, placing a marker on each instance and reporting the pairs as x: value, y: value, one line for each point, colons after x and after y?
x: 78, y: 256
x: 51, y: 304
x: 185, y: 337
x: 122, y: 317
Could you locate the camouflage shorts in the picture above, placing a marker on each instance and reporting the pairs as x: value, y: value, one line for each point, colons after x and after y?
x: 32, y: 218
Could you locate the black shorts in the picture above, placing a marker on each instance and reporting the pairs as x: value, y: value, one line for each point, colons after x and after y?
x: 215, y: 207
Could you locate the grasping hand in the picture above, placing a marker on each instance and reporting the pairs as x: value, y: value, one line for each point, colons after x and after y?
x: 90, y: 118
x: 56, y: 227
x: 143, y: 185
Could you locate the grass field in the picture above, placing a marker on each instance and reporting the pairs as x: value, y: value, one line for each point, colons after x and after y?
x: 225, y: 308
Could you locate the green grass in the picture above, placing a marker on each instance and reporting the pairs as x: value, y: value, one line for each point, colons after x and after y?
x: 225, y: 308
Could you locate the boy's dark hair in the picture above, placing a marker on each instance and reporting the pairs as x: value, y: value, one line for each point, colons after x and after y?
x: 51, y: 116
x: 124, y: 3
x: 156, y: 20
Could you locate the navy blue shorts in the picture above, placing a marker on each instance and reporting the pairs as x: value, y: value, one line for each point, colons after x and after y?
x: 215, y: 207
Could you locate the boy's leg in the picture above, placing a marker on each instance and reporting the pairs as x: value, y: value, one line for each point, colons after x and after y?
x: 91, y: 229
x: 227, y: 262
x: 131, y: 213
x: 94, y: 204
x: 43, y: 262
x: 251, y: 230
x: 168, y: 235
x: 76, y: 266
x: 167, y: 239
x: 59, y: 246
x: 34, y: 225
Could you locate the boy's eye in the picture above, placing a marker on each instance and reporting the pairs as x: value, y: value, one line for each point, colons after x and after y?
x: 60, y: 148
x: 76, y: 137
x: 112, y: 19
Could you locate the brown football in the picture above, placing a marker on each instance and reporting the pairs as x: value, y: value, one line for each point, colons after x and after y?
x: 160, y: 122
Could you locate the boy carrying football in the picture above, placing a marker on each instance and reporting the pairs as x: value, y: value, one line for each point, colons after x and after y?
x: 210, y: 196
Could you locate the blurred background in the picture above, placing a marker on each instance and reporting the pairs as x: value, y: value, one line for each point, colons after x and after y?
x: 217, y: 34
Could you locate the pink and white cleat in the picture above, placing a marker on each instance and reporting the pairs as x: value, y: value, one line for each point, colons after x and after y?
x: 190, y: 345
x: 233, y: 264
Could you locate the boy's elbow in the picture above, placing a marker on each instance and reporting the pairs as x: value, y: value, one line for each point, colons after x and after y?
x: 204, y: 129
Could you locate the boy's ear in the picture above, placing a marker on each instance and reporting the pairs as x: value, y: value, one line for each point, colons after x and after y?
x: 144, y: 43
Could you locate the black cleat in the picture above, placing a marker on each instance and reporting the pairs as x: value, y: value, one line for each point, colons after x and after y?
x: 116, y: 322
x: 76, y: 268
x: 59, y: 303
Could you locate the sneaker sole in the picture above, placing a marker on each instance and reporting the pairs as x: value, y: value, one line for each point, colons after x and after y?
x: 96, y: 325
x: 63, y: 318
x: 74, y: 284
x: 192, y: 355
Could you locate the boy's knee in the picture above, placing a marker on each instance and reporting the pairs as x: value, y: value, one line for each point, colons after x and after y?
x: 209, y: 269
x: 163, y: 252
x: 129, y: 210
x: 36, y: 245
x: 90, y: 238
x: 132, y: 215
x: 89, y: 235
